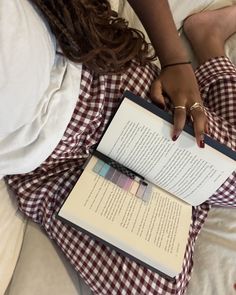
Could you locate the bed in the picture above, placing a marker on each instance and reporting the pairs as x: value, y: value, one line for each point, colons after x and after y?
x: 25, y: 252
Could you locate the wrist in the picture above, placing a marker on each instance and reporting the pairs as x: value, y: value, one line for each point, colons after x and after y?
x: 176, y: 54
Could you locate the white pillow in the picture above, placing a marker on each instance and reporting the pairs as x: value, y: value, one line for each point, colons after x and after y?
x: 26, y: 59
x: 38, y: 91
x: 11, y: 233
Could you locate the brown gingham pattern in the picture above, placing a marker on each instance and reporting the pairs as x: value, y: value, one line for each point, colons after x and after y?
x: 217, y: 81
x: 40, y: 193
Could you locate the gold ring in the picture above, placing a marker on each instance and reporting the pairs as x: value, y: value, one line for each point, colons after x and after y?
x: 196, y: 105
x: 180, y: 107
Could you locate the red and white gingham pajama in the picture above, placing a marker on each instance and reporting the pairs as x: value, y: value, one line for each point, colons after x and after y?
x: 41, y: 193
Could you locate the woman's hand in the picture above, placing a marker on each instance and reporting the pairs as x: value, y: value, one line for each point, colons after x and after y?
x: 180, y: 84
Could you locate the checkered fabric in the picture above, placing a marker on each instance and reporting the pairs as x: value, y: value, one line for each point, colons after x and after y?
x: 41, y: 192
x: 217, y: 81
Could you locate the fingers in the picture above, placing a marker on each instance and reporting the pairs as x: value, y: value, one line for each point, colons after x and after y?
x: 198, y: 116
x: 179, y: 121
x: 179, y: 116
x: 156, y: 93
x: 199, y: 119
x: 200, y: 125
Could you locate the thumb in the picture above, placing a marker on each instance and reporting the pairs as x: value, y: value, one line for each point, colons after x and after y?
x: 156, y: 93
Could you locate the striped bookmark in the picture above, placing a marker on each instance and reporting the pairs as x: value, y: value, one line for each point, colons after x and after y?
x: 131, y: 183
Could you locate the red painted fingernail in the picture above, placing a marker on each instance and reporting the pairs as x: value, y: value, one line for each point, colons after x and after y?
x: 202, y: 144
x: 160, y: 105
x: 175, y: 137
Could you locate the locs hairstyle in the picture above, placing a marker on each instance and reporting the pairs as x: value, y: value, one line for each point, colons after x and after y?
x: 89, y: 31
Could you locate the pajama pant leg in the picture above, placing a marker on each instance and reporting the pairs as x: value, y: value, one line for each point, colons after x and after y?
x: 217, y: 82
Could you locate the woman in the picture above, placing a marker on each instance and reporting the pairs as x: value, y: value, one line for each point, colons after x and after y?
x: 81, y: 29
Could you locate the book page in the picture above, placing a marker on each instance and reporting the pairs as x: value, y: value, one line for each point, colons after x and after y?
x: 141, y: 141
x: 155, y: 232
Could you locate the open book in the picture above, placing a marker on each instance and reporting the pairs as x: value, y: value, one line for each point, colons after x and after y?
x: 136, y: 192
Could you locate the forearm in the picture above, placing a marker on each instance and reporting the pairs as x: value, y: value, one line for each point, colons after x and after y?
x: 157, y: 19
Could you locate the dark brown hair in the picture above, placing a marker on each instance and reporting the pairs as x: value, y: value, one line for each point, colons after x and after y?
x: 88, y: 31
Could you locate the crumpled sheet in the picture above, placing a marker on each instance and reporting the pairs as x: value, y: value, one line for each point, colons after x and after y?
x: 214, y: 271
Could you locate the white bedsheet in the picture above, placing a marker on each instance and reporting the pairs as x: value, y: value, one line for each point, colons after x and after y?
x: 214, y: 270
